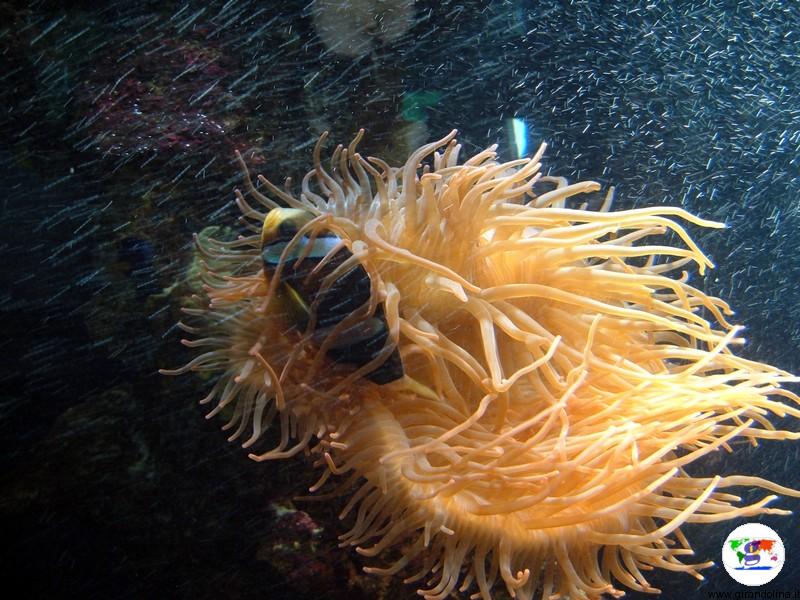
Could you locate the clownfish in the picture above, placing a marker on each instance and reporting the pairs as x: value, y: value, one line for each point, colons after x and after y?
x: 358, y: 344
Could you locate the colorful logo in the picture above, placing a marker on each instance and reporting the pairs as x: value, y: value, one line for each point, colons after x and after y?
x: 753, y: 554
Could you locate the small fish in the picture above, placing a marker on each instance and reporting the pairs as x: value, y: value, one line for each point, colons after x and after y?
x: 362, y: 341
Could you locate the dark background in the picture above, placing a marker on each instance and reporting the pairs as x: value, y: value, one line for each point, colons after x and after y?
x: 118, y: 123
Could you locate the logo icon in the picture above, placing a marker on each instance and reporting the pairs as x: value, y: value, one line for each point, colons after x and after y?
x: 753, y: 554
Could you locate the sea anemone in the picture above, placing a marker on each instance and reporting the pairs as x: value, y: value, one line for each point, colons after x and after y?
x: 559, y: 372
